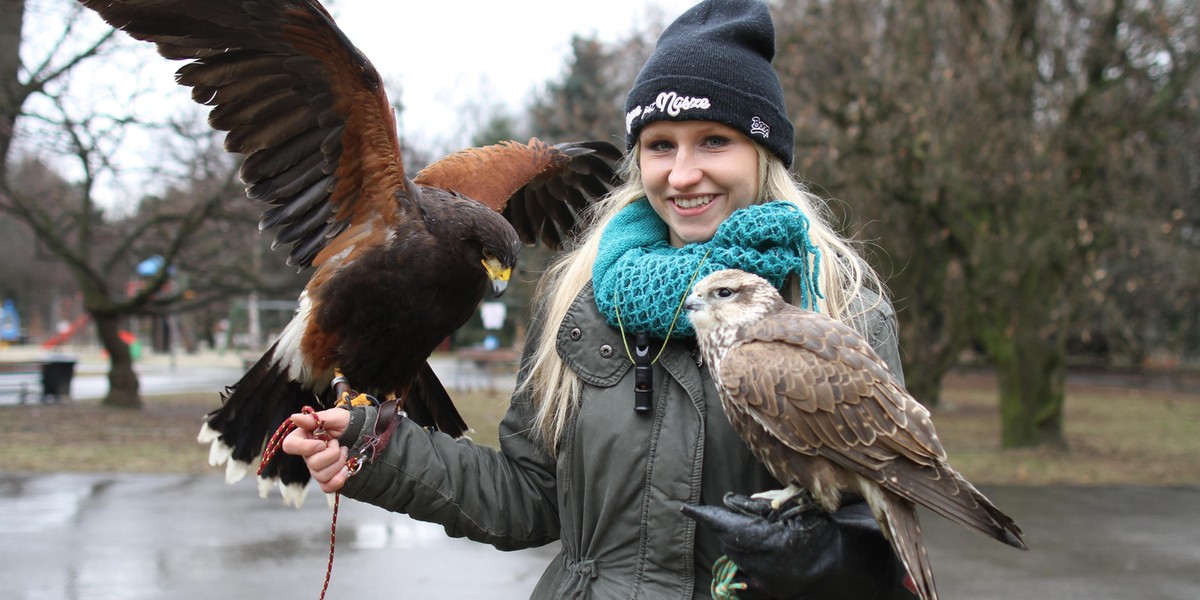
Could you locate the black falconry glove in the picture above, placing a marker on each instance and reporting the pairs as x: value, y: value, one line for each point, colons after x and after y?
x: 801, y: 552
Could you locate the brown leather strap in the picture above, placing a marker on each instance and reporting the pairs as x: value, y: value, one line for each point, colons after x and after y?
x: 369, y: 446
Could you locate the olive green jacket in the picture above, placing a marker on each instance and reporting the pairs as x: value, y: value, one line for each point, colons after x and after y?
x: 612, y: 497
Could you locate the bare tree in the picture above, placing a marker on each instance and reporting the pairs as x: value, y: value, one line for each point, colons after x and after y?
x: 998, y: 146
x: 587, y: 101
x: 18, y: 81
x: 871, y: 97
x: 99, y: 249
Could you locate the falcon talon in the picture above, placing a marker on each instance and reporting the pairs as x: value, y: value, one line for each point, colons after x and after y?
x: 798, y: 509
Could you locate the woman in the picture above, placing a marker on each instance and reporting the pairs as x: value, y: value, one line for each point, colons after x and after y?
x: 586, y: 460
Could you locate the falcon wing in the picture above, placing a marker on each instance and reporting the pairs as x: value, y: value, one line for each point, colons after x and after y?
x: 818, y: 387
x: 305, y: 106
x: 541, y: 189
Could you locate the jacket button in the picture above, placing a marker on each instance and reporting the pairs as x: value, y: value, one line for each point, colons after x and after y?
x: 575, y: 334
x: 606, y: 351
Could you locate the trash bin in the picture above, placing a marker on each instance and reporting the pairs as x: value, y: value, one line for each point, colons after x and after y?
x: 57, y: 373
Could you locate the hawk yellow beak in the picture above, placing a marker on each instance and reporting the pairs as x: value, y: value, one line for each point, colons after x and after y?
x: 498, y: 273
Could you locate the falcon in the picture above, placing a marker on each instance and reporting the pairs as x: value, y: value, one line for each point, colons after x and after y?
x: 819, y: 408
x: 397, y: 264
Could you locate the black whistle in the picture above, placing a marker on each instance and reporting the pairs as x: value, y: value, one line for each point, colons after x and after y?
x: 643, y: 374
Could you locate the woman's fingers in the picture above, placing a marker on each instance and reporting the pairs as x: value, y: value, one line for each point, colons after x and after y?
x: 302, y: 443
x: 333, y: 421
x: 325, y: 463
x: 315, y: 440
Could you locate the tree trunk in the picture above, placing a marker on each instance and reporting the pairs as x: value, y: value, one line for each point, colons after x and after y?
x: 932, y: 332
x: 122, y: 381
x: 1031, y: 379
x: 1029, y: 352
x: 12, y: 14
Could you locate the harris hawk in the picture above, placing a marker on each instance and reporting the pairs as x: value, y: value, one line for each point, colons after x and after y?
x: 398, y: 264
x: 826, y: 416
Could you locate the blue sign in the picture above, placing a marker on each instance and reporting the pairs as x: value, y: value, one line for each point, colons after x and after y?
x: 151, y: 266
x: 10, y: 322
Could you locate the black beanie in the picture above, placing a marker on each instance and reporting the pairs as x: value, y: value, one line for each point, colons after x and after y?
x: 714, y: 64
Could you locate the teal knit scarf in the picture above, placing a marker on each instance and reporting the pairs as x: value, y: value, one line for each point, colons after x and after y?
x: 639, y: 274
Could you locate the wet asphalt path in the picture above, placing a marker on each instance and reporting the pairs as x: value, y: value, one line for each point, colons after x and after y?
x: 135, y: 537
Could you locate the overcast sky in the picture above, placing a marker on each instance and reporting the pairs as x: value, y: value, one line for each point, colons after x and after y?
x: 449, y: 54
x: 443, y: 56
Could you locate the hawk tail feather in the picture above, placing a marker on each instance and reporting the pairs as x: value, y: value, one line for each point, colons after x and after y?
x: 252, y: 410
x: 429, y: 405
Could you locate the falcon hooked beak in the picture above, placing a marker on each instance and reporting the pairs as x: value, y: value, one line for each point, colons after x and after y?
x: 498, y: 273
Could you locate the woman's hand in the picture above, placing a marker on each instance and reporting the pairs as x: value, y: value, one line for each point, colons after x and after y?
x: 325, y: 457
x: 804, y: 553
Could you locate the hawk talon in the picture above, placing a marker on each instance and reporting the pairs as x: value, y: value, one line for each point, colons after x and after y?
x: 360, y: 400
x: 347, y: 397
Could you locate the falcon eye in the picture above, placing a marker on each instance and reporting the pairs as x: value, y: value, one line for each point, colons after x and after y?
x: 724, y: 293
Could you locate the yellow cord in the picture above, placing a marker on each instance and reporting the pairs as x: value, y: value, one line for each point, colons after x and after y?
x: 678, y: 309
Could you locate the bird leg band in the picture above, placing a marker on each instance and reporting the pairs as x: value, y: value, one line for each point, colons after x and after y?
x: 347, y: 397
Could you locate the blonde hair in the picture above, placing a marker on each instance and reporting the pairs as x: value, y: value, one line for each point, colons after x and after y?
x: 555, y: 388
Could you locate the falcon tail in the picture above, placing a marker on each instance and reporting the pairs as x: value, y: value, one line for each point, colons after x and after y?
x: 251, y: 412
x: 897, y: 518
x: 954, y: 498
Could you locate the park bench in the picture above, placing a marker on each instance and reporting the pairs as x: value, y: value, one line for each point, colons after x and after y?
x: 20, y: 378
x: 50, y: 380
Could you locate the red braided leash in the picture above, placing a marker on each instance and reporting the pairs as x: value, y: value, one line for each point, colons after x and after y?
x: 319, y: 433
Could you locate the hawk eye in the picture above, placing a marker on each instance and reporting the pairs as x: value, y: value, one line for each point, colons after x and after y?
x: 724, y: 293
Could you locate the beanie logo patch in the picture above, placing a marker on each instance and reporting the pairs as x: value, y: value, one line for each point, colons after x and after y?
x: 670, y: 103
x: 674, y: 104
x: 758, y: 127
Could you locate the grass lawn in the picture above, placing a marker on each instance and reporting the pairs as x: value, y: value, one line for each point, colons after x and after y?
x: 1115, y: 435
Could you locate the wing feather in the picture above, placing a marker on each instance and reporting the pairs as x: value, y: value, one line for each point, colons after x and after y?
x: 300, y: 204
x: 319, y: 214
x: 844, y: 409
x: 541, y: 189
x: 292, y: 172
x: 295, y: 96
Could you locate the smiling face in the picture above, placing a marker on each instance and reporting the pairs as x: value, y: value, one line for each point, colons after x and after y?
x: 696, y: 173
